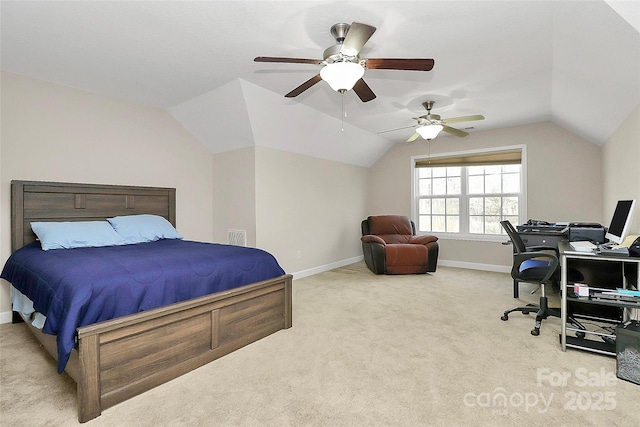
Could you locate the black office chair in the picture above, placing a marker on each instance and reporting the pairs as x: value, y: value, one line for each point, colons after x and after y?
x: 537, y: 264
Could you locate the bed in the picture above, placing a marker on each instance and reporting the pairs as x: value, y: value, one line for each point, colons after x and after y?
x: 116, y: 359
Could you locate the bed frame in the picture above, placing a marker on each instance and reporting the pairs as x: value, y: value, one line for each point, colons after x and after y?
x: 121, y: 358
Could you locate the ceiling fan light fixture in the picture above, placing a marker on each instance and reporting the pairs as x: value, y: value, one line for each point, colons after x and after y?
x: 342, y: 76
x: 429, y: 131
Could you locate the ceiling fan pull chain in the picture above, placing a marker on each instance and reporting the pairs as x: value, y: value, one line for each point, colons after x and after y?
x: 344, y: 114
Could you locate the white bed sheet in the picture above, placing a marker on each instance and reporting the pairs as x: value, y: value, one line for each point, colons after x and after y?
x: 24, y: 306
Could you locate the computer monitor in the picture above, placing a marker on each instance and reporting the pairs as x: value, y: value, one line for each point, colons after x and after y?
x: 620, y: 221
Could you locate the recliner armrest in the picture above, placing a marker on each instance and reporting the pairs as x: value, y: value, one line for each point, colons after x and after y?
x: 370, y: 238
x: 422, y: 240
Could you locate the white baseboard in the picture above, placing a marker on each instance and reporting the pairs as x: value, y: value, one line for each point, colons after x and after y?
x: 475, y: 266
x: 326, y: 267
x: 6, y: 317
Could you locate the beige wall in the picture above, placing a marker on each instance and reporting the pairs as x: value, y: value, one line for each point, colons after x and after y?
x: 55, y: 133
x: 305, y: 211
x: 621, y: 168
x: 564, y: 182
x: 234, y: 194
x: 308, y: 205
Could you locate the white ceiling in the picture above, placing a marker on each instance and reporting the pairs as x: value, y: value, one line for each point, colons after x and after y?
x: 576, y: 63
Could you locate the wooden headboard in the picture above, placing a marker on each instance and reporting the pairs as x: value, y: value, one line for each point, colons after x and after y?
x: 61, y: 201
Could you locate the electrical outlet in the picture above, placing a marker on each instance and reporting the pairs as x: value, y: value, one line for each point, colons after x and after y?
x: 299, y: 254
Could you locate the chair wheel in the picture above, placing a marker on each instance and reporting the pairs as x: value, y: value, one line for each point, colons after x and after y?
x: 535, y: 332
x: 504, y: 317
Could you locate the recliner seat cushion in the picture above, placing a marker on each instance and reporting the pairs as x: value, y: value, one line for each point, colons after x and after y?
x: 395, y: 239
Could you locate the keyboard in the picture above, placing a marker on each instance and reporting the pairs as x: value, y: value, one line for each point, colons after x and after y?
x: 607, y: 249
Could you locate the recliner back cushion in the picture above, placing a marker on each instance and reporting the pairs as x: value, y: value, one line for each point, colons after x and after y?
x: 391, y: 228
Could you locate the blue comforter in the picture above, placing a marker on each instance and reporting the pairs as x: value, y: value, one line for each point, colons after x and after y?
x: 78, y: 287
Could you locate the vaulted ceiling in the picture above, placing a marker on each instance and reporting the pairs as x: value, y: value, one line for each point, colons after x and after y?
x: 576, y: 63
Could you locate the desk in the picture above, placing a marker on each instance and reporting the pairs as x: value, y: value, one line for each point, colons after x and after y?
x: 582, y: 343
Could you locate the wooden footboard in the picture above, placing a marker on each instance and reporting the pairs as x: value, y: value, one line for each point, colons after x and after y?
x: 124, y: 357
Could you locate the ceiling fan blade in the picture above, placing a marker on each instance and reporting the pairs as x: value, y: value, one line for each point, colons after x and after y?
x: 287, y: 60
x: 454, y: 131
x: 363, y: 91
x: 393, y: 130
x: 464, y: 119
x: 304, y: 86
x: 413, y: 137
x: 356, y: 38
x: 399, y: 64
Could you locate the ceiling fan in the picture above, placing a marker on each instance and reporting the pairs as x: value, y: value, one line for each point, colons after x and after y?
x: 430, y: 125
x: 342, y: 66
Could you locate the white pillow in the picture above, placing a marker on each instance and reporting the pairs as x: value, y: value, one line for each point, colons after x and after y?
x: 143, y: 228
x: 79, y: 234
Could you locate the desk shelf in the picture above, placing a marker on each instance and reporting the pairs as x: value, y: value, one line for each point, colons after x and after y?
x: 589, y: 300
x: 601, y: 347
x: 604, y: 342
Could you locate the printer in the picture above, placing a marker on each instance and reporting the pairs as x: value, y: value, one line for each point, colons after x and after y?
x: 573, y: 231
x: 581, y: 231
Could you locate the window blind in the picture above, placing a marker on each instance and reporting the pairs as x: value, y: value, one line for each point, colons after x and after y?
x: 513, y: 157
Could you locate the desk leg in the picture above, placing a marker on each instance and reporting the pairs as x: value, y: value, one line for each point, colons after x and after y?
x: 563, y: 305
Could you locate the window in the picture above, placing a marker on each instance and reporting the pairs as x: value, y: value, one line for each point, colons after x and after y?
x: 468, y: 194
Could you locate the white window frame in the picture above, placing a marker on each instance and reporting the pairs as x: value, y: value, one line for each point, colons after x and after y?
x: 522, y: 202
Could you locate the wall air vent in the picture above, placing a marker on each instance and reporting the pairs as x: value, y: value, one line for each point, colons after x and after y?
x: 237, y: 237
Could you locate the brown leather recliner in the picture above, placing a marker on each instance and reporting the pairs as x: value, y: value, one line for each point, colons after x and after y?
x: 390, y: 246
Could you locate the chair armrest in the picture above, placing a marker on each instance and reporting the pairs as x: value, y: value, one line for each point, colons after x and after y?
x: 370, y: 238
x: 422, y: 240
x: 530, y: 255
x: 521, y: 257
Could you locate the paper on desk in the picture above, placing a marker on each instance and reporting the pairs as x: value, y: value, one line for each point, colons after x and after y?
x: 627, y: 242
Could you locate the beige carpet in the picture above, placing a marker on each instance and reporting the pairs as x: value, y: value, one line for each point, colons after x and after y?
x: 364, y: 350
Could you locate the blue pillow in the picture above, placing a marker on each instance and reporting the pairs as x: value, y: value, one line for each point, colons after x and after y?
x: 79, y: 234
x: 143, y: 228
